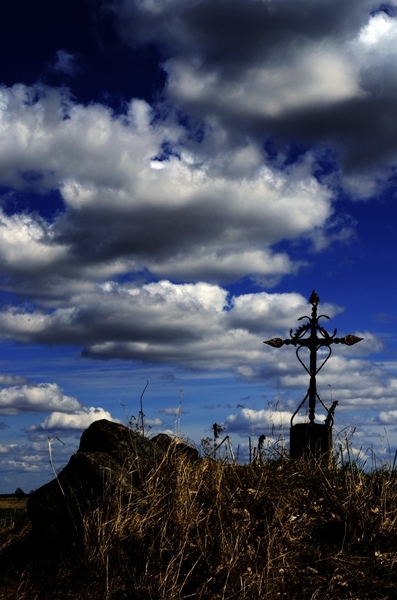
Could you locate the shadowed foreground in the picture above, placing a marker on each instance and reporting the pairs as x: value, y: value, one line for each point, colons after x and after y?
x: 202, y: 529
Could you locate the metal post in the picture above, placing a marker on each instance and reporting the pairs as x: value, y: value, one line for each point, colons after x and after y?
x: 313, y: 365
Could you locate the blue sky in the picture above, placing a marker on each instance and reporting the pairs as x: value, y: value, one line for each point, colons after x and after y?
x: 176, y: 177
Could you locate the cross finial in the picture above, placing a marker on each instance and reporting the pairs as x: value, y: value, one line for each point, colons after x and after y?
x: 314, y: 299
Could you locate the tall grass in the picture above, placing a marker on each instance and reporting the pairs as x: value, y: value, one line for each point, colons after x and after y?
x: 208, y: 530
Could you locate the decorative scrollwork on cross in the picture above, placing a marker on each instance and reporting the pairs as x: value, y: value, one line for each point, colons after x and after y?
x: 313, y: 336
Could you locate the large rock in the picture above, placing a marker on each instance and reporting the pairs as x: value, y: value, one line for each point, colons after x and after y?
x: 110, y: 457
x: 165, y: 442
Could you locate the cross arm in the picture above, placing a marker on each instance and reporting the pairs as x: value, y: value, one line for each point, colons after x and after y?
x: 278, y: 342
x: 348, y: 339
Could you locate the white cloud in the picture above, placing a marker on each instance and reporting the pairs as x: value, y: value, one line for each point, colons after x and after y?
x: 171, y: 411
x: 33, y: 457
x: 21, y: 465
x: 191, y: 324
x: 45, y: 132
x: 213, y: 211
x: 262, y: 312
x: 9, y: 380
x: 35, y: 398
x: 153, y: 422
x: 72, y: 421
x: 357, y: 384
x: 6, y: 448
x: 222, y: 264
x: 196, y: 325
x: 258, y: 422
x: 388, y: 417
x: 376, y: 52
x: 203, y: 296
x: 27, y: 245
x: 310, y: 77
x: 379, y: 28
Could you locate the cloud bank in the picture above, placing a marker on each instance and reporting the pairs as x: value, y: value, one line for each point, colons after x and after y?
x: 130, y: 208
x: 320, y: 73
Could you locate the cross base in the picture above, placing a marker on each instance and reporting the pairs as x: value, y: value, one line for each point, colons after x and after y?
x: 311, y: 440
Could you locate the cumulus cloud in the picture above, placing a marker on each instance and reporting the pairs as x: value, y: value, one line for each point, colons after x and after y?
x: 77, y: 420
x: 154, y: 422
x: 354, y: 382
x: 26, y: 246
x: 25, y: 465
x: 6, y: 448
x: 194, y: 325
x: 388, y: 417
x: 321, y: 72
x: 35, y: 398
x: 10, y: 380
x: 309, y: 79
x: 256, y: 422
x: 210, y: 213
x: 19, y: 460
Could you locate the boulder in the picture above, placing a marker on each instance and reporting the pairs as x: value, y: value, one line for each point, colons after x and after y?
x: 164, y: 442
x: 110, y: 457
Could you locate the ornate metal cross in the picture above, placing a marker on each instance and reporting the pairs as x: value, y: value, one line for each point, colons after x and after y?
x: 313, y: 336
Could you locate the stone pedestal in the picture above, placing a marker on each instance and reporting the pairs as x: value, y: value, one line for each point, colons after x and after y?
x: 311, y: 440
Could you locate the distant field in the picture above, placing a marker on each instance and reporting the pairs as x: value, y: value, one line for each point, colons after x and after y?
x: 17, y: 503
x: 10, y: 508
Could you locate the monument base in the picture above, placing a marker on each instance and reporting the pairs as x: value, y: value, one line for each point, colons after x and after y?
x: 311, y: 440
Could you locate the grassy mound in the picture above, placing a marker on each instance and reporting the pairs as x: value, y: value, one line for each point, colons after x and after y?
x: 207, y: 530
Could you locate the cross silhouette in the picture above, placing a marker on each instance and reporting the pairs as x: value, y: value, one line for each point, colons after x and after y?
x: 313, y: 336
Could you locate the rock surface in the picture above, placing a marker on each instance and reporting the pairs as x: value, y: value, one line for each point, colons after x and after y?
x: 110, y: 456
x: 164, y: 441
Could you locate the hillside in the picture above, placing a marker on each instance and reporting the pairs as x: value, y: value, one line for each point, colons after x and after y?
x: 208, y: 530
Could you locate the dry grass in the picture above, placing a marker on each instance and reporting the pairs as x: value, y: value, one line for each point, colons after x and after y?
x: 13, y: 503
x: 281, y: 530
x: 11, y: 509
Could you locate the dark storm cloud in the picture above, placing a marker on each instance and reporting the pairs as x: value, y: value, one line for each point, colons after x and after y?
x: 361, y: 131
x: 344, y: 96
x: 158, y: 233
x: 145, y: 231
x: 238, y: 33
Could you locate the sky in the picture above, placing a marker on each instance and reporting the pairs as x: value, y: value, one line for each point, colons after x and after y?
x: 176, y: 177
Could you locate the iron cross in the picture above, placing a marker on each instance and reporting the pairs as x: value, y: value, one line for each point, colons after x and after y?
x: 313, y: 336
